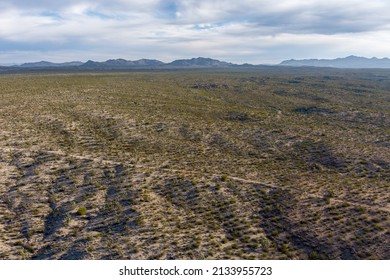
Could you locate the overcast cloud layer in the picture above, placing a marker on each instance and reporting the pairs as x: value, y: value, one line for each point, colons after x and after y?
x: 236, y: 31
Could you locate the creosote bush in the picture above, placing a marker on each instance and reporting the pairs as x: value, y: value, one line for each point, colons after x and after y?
x: 82, y: 211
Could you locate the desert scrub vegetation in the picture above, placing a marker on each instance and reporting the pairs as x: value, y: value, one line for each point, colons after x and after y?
x: 259, y: 164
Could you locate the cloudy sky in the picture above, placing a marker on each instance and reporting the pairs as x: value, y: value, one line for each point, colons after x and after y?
x: 252, y: 31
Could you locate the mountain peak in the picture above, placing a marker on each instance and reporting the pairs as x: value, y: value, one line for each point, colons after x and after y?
x: 200, y: 62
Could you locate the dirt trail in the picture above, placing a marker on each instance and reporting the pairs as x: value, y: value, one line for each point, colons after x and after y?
x: 250, y: 181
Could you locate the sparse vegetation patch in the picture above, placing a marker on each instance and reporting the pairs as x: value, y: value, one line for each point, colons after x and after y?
x: 233, y: 164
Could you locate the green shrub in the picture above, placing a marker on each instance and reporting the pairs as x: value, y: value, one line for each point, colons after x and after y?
x: 314, y: 255
x: 82, y: 211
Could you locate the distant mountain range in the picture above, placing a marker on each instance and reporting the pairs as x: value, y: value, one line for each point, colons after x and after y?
x: 193, y: 63
x: 120, y: 63
x: 346, y: 62
x: 201, y: 62
x: 51, y: 64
